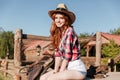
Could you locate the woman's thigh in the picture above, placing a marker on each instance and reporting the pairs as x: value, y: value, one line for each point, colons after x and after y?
x: 46, y: 75
x: 67, y: 75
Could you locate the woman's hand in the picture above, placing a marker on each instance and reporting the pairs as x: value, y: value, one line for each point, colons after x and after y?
x: 63, y: 65
x: 54, y: 71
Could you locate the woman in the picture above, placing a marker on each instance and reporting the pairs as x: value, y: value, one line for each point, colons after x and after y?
x: 68, y: 65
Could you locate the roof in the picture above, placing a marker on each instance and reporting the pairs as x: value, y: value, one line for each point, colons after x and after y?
x: 34, y: 44
x: 114, y: 37
x: 106, y: 37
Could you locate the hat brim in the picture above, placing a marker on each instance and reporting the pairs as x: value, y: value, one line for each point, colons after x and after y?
x: 70, y: 14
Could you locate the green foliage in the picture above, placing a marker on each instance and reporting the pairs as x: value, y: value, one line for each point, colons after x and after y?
x: 115, y: 31
x: 6, y: 44
x: 110, y: 50
x: 83, y: 52
x: 82, y: 35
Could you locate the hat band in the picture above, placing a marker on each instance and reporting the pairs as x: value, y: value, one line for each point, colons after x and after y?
x: 61, y: 9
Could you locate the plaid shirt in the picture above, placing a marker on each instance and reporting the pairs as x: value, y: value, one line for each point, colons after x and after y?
x: 69, y: 47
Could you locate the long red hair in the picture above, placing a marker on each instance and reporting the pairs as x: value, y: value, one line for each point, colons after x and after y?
x: 56, y: 32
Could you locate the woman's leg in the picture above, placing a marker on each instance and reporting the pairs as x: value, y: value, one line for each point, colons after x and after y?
x: 46, y: 75
x: 67, y: 75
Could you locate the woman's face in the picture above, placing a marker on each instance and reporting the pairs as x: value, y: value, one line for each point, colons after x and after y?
x: 59, y: 20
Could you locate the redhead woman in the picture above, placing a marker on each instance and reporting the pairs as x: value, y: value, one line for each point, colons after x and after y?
x: 68, y: 64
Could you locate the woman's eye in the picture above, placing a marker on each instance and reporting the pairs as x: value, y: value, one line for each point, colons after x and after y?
x: 56, y: 17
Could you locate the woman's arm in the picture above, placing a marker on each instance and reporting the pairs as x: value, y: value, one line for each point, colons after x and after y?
x: 64, y: 65
x: 58, y: 61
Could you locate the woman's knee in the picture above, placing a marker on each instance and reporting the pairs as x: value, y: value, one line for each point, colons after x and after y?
x: 46, y: 75
x: 42, y: 78
x: 52, y: 77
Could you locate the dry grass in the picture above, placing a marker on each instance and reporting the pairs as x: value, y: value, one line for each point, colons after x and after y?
x: 2, y: 77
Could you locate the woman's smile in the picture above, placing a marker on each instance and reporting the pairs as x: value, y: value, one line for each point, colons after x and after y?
x: 59, y: 20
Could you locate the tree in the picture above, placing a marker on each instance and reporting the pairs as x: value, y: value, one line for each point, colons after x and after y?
x: 115, y: 31
x: 83, y: 35
x: 1, y: 30
x: 6, y: 44
x: 110, y: 50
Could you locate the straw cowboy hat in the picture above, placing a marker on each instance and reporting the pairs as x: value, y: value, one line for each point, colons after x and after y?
x: 63, y: 9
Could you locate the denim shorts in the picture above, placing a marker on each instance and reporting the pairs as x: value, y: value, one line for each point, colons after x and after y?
x: 77, y: 65
x: 83, y: 73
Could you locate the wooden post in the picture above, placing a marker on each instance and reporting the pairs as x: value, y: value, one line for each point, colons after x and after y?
x: 98, y: 49
x: 115, y: 68
x: 88, y: 49
x: 17, y: 47
x: 6, y: 67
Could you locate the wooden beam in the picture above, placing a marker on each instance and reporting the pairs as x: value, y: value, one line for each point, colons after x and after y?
x: 98, y: 49
x: 28, y: 36
x: 87, y: 51
x: 17, y: 47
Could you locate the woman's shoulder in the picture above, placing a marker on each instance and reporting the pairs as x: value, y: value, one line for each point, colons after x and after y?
x: 69, y: 30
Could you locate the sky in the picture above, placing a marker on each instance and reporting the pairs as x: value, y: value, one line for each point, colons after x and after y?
x: 32, y: 15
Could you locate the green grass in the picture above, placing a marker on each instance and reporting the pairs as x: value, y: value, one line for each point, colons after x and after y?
x: 2, y: 77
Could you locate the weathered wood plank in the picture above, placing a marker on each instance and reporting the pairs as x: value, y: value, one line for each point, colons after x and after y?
x: 28, y: 36
x: 17, y: 47
x: 98, y: 49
